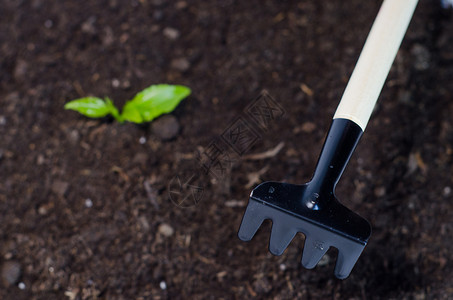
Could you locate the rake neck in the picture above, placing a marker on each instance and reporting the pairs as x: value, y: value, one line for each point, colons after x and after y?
x: 339, y: 145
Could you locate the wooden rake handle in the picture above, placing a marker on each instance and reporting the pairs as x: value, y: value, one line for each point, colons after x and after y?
x: 374, y: 63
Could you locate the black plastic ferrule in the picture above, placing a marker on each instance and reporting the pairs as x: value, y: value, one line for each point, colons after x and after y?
x: 340, y: 143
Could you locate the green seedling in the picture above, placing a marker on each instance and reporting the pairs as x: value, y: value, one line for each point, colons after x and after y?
x: 144, y: 107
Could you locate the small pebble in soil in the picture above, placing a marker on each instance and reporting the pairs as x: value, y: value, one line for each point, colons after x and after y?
x: 140, y: 158
x: 123, y: 39
x: 88, y: 203
x: 411, y: 163
x: 60, y: 187
x: 144, y: 224
x: 282, y: 267
x: 2, y: 120
x: 419, y: 296
x: 180, y: 64
x: 411, y: 205
x: 405, y: 97
x: 10, y: 272
x: 171, y: 33
x: 308, y: 127
x: 181, y: 5
x: 163, y: 285
x: 158, y: 15
x: 166, y: 127
x: 422, y: 57
x: 113, y: 3
x: 142, y: 140
x: 108, y: 38
x: 74, y: 137
x: 379, y: 191
x: 42, y: 210
x: 324, y: 260
x: 447, y: 191
x: 21, y: 69
x: 126, y: 84
x: 88, y: 26
x: 22, y: 285
x: 48, y: 23
x: 262, y: 285
x: 165, y: 230
x: 115, y: 83
x: 40, y: 159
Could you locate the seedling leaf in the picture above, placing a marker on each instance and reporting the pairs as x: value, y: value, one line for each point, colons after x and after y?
x: 90, y: 106
x: 144, y: 107
x: 113, y: 110
x: 153, y: 102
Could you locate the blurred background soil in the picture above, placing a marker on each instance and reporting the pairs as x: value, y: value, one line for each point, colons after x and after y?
x: 92, y: 209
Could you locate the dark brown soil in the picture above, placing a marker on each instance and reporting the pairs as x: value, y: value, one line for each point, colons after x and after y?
x: 86, y: 206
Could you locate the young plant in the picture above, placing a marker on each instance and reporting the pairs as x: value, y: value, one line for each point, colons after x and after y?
x: 144, y: 107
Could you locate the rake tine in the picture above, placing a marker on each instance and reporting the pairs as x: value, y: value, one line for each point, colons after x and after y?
x: 346, y: 261
x: 251, y: 221
x: 314, y: 250
x: 281, y: 236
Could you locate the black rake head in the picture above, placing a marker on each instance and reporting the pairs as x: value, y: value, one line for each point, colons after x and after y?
x: 320, y: 217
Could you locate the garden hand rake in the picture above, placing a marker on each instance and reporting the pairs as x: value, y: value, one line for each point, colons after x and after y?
x: 312, y: 208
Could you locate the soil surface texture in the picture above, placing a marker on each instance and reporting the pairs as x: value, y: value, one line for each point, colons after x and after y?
x: 94, y: 209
